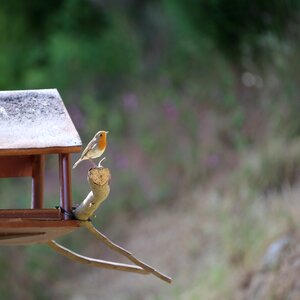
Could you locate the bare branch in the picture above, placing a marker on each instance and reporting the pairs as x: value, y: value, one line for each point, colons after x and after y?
x: 94, y: 262
x: 124, y: 252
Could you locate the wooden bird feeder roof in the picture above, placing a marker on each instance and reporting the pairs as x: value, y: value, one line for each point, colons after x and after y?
x: 34, y: 123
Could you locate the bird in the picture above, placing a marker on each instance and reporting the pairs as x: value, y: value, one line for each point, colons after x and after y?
x: 94, y: 149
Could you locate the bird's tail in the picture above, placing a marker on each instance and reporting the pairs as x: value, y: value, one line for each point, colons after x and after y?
x: 77, y: 162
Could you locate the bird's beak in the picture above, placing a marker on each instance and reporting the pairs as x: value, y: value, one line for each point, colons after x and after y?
x: 107, y: 132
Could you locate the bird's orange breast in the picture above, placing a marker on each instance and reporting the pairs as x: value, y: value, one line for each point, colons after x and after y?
x: 102, y: 143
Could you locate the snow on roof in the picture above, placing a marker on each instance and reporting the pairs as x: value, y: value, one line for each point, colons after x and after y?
x: 35, y: 119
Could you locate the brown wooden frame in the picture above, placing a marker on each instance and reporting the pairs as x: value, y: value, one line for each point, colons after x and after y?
x: 34, y: 166
x: 36, y: 225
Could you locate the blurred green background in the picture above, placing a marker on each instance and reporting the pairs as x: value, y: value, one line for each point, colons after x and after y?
x: 201, y: 99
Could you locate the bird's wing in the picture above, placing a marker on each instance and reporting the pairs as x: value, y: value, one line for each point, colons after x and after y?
x: 90, y: 145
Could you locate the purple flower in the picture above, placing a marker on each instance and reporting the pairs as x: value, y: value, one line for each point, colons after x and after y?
x: 130, y: 101
x: 122, y: 161
x: 213, y: 160
x: 170, y: 110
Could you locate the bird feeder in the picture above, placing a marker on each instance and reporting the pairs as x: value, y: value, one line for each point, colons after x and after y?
x: 33, y: 124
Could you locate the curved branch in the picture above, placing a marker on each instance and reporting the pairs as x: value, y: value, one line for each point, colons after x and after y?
x: 94, y: 262
x: 98, y: 179
x: 124, y: 252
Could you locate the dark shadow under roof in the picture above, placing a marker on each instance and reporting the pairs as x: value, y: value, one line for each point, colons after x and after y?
x: 36, y: 119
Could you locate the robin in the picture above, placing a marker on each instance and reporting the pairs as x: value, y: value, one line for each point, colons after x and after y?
x: 94, y: 149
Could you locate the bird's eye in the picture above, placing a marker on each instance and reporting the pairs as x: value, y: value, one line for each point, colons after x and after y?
x: 101, y: 134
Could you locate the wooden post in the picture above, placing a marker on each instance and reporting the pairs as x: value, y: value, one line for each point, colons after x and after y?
x: 38, y: 166
x: 65, y: 183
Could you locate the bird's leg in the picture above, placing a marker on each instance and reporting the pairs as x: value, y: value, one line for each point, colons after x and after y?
x: 99, y: 164
x: 94, y: 165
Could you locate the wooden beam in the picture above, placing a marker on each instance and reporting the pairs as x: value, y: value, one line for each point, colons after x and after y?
x: 65, y: 183
x: 34, y: 151
x: 38, y: 167
x: 35, y: 214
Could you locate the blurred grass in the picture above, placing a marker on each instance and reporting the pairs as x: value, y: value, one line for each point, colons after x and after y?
x: 244, y: 222
x: 277, y: 166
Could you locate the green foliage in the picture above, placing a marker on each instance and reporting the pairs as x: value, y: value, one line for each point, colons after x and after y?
x: 81, y: 18
x: 39, y: 40
x: 238, y: 27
